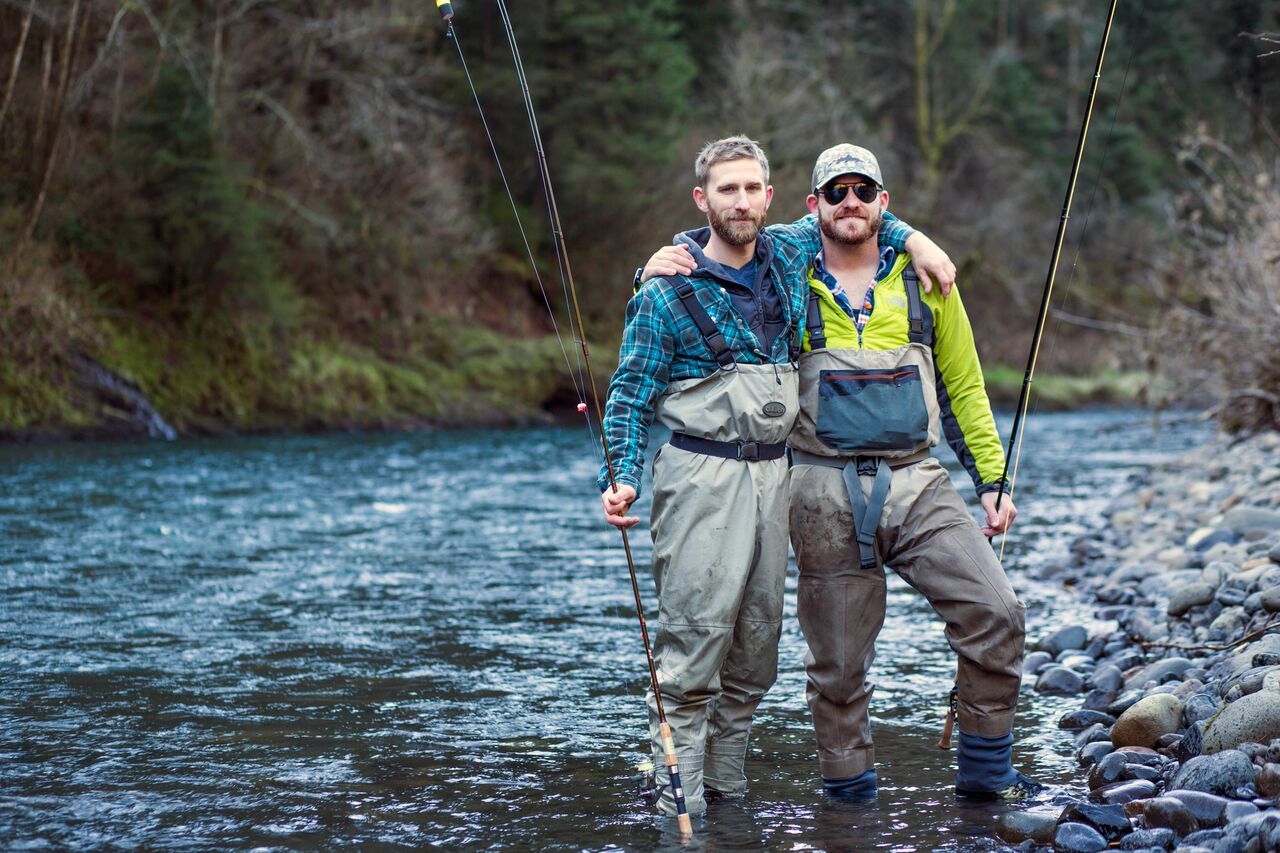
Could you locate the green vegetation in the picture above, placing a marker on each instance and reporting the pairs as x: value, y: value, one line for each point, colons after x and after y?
x: 286, y: 215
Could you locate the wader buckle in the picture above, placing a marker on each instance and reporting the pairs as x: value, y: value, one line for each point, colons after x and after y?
x: 748, y: 451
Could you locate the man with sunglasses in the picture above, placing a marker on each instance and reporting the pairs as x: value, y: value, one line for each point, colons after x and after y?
x: 711, y: 355
x: 886, y: 368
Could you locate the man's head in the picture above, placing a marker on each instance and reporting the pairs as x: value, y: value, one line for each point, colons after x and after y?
x: 733, y: 188
x: 848, y: 194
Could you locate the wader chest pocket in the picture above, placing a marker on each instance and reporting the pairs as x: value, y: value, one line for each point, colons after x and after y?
x: 872, y: 409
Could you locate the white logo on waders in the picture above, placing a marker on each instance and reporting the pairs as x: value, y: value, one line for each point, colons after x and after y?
x: 774, y: 410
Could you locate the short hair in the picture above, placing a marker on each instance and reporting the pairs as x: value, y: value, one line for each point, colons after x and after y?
x: 723, y: 150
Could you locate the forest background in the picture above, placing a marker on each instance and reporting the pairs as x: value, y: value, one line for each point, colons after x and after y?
x: 262, y: 215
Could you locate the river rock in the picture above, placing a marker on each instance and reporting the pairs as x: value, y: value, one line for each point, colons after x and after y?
x: 1083, y: 719
x: 1124, y: 702
x: 1204, y: 538
x: 1222, y: 773
x: 1107, y: 771
x: 1267, y: 780
x: 1270, y: 599
x: 1274, y: 553
x: 1018, y: 826
x: 1035, y: 661
x: 1145, y: 839
x: 1144, y: 722
x: 1110, y: 821
x: 1186, y: 597
x: 1077, y: 838
x: 1207, y: 808
x: 1230, y: 596
x: 1107, y: 677
x: 1059, y: 680
x: 1229, y: 623
x: 1095, y: 732
x: 1205, y: 838
x: 1171, y: 814
x: 1070, y: 638
x: 1255, y: 717
x: 1252, y: 522
x: 1160, y: 671
x: 1124, y: 792
x: 1237, y: 810
x: 1091, y: 753
x: 1142, y: 771
x: 1199, y: 706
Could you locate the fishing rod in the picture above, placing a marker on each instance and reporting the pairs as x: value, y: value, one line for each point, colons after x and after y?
x: 1015, y: 439
x: 445, y: 8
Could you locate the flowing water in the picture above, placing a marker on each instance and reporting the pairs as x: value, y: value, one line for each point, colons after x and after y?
x: 385, y: 641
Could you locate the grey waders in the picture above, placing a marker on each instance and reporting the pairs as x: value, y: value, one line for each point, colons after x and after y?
x: 865, y: 493
x: 719, y: 527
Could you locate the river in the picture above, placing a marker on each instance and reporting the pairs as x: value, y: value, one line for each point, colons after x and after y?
x: 428, y: 640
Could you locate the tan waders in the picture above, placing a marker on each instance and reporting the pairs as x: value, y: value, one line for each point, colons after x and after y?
x: 864, y: 493
x: 719, y: 527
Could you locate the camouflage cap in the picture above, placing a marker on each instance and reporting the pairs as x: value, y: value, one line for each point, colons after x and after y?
x: 845, y: 159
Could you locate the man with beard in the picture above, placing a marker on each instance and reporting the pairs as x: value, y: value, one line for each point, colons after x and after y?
x: 885, y: 370
x: 711, y: 355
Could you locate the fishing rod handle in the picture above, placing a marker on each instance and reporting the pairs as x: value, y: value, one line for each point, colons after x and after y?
x: 446, y: 9
x: 673, y: 771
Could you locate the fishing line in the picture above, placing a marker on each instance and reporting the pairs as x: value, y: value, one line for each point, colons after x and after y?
x: 664, y: 728
x: 515, y: 212
x: 1015, y: 444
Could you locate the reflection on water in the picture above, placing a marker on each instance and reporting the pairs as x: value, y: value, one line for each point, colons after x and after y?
x: 429, y: 640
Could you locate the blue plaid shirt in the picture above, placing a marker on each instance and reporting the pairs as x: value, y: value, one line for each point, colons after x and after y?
x: 661, y: 343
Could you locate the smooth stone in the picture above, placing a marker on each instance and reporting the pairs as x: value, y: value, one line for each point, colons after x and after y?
x: 1207, y: 808
x: 1059, y: 680
x: 1229, y: 623
x: 1018, y: 826
x: 1171, y: 814
x: 1147, y: 719
x: 1107, y: 677
x: 1091, y: 753
x: 1266, y: 659
x: 1141, y: 755
x: 1271, y: 599
x: 1267, y: 780
x: 1252, y: 522
x: 1071, y: 637
x: 1160, y: 671
x: 1077, y: 661
x: 1238, y: 810
x: 1231, y: 596
x: 1199, y: 706
x: 1098, y: 700
x: 1107, y: 771
x: 1111, y: 822
x: 1255, y: 717
x: 1192, y: 742
x: 1222, y: 773
x: 1077, y: 838
x: 1124, y: 792
x: 1186, y: 597
x: 1144, y: 839
x: 1035, y: 661
x: 1097, y: 731
x: 1205, y: 538
x: 1203, y: 838
x: 1253, y: 604
x: 1141, y: 771
x: 1083, y: 719
x: 1124, y: 702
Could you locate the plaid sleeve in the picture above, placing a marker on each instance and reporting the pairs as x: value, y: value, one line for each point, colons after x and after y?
x: 804, y: 236
x: 644, y: 365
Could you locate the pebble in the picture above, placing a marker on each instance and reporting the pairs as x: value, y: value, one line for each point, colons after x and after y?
x: 1236, y: 810
x: 1199, y: 706
x: 1252, y: 522
x: 1206, y: 808
x: 1083, y: 719
x: 1091, y: 753
x: 1186, y: 597
x: 1203, y: 838
x: 1078, y: 838
x: 1171, y: 814
x: 1231, y: 596
x: 1147, y: 719
x: 1222, y: 773
x: 1255, y: 717
x: 1107, y: 677
x: 1107, y: 771
x: 1111, y: 822
x: 1018, y: 826
x: 1270, y: 599
x: 1059, y: 680
x: 1267, y: 780
x: 1160, y: 671
x: 1142, y: 839
x: 1124, y: 792
x: 1206, y: 537
x: 1069, y: 638
x: 1035, y: 661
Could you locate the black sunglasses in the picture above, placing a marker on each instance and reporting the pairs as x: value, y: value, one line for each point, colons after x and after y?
x: 864, y: 191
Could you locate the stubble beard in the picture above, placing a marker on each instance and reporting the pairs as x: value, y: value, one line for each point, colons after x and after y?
x: 849, y: 230
x: 737, y: 229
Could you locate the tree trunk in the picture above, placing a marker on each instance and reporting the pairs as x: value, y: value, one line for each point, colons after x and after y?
x: 17, y: 61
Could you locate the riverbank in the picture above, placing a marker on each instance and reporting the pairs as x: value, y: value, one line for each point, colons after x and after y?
x: 1179, y: 728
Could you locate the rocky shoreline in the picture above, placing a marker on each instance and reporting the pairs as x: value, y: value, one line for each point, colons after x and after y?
x: 1179, y: 730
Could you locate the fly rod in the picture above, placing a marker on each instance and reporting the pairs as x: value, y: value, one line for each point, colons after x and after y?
x: 562, y: 258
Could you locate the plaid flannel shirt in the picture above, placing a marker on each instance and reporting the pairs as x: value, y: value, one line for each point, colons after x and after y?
x: 661, y: 343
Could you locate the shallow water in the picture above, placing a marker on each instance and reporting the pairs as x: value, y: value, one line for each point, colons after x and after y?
x: 429, y: 640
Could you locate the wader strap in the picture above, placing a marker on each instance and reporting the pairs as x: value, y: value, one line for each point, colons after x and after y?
x: 915, y: 314
x: 710, y: 332
x: 817, y: 326
x: 866, y: 511
x: 744, y: 451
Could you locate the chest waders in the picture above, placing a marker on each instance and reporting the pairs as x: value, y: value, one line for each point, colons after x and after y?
x: 719, y: 528
x: 864, y: 492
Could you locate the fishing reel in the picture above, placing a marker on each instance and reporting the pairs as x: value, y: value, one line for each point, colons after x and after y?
x: 647, y: 787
